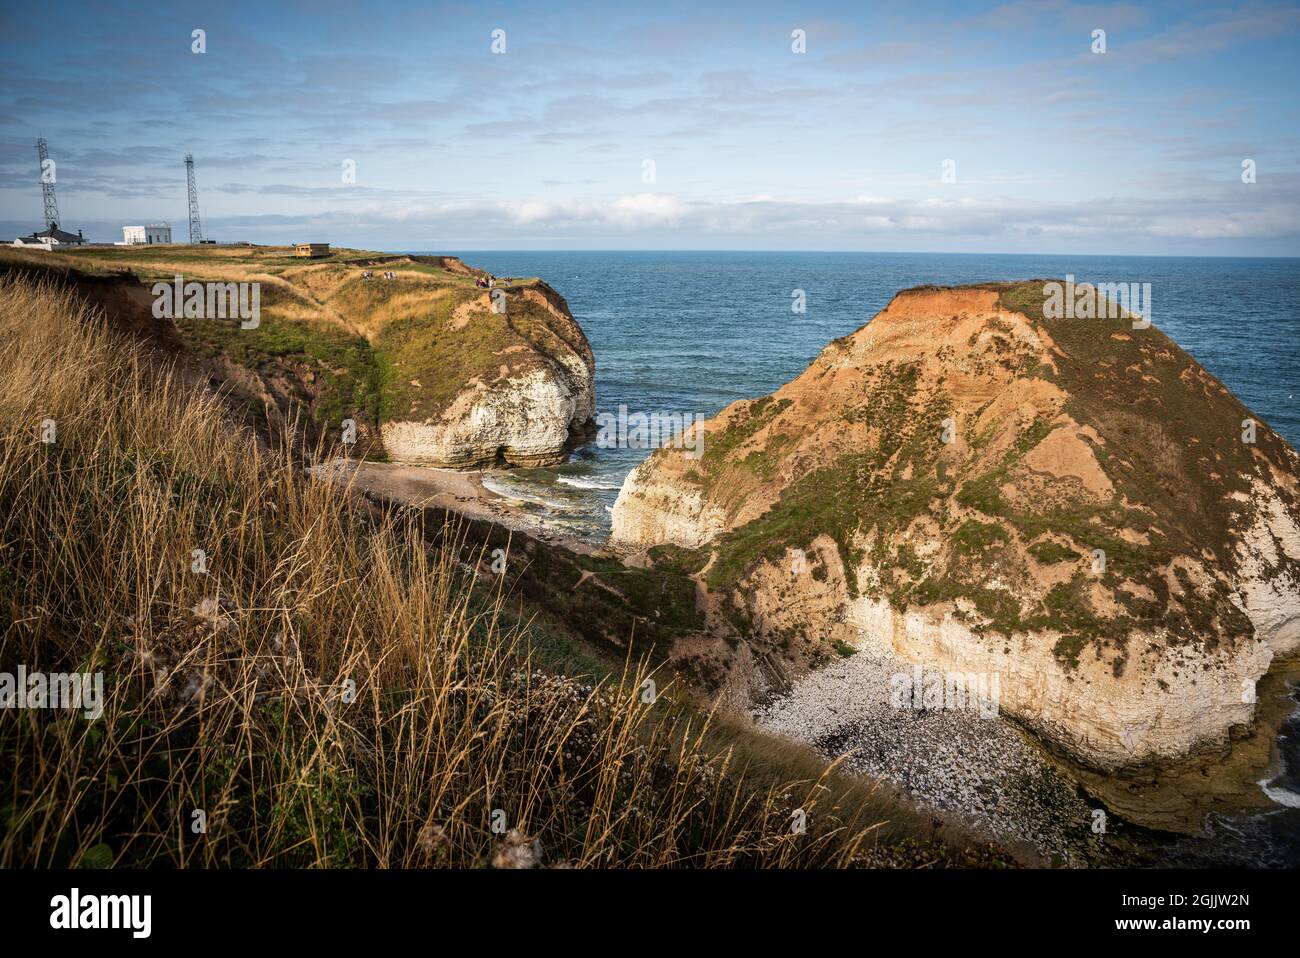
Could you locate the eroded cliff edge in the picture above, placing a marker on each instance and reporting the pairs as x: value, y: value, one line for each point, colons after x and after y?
x: 428, y: 367
x: 492, y: 377
x: 1067, y: 503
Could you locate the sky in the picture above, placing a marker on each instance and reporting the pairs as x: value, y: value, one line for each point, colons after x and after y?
x: 917, y: 126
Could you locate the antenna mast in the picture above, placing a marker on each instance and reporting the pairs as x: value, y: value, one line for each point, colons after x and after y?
x: 47, y: 185
x: 196, y: 229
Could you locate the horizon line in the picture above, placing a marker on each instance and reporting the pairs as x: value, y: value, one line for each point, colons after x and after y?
x: 852, y: 252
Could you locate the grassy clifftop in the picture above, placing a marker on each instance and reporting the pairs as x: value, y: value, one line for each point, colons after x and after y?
x: 331, y: 343
x: 336, y: 686
x: 1074, y: 478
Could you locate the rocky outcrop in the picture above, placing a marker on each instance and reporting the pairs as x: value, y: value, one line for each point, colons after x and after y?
x: 424, y: 366
x: 526, y: 387
x: 525, y: 419
x: 1166, y: 703
x: 651, y: 510
x: 1075, y: 505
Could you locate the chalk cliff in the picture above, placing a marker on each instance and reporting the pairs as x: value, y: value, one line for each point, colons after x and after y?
x: 506, y: 378
x: 428, y: 367
x: 1074, y: 504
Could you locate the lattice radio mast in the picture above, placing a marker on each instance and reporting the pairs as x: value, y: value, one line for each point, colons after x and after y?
x: 196, y: 229
x: 47, y: 185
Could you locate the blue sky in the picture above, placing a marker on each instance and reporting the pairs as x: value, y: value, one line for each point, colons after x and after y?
x: 1055, y: 148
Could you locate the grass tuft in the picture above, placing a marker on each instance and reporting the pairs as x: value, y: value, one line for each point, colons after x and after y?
x: 339, y: 688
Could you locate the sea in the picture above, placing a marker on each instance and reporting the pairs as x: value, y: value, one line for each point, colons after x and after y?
x: 690, y: 332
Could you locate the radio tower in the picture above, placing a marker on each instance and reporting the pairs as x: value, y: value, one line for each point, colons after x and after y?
x: 196, y: 230
x: 47, y: 185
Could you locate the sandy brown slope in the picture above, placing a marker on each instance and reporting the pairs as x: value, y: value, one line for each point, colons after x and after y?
x: 1070, y: 441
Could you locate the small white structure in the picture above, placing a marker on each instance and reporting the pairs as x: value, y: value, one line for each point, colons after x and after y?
x: 50, y: 238
x: 153, y: 233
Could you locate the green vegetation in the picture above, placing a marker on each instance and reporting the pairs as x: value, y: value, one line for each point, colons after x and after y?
x: 1171, y: 442
x: 1166, y: 434
x: 349, y: 376
x: 975, y: 538
x: 850, y: 496
x: 1050, y: 552
x: 341, y: 688
x: 598, y: 599
x: 331, y: 343
x: 425, y: 349
x: 719, y: 445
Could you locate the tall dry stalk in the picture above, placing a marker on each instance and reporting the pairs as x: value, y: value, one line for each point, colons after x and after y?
x: 332, y: 691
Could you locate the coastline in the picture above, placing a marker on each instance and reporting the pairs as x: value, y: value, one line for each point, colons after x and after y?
x: 1025, y: 795
x: 1178, y: 797
x: 454, y: 491
x: 1012, y: 799
x: 1172, y: 801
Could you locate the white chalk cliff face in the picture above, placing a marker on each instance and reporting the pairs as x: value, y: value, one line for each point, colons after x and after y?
x: 525, y: 397
x: 1166, y: 704
x: 523, y: 420
x: 1070, y: 504
x: 650, y: 509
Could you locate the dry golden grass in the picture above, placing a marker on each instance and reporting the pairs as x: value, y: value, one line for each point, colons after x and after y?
x: 229, y: 691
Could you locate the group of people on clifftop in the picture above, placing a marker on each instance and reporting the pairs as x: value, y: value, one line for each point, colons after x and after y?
x: 489, y: 282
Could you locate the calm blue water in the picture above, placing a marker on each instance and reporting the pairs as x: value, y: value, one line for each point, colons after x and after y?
x: 691, y: 332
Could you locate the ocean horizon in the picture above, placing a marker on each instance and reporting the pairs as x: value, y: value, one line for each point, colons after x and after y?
x: 689, y: 332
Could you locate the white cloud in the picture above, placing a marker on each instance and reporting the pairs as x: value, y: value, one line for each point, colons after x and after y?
x: 639, y: 211
x: 646, y: 209
x: 1228, y: 212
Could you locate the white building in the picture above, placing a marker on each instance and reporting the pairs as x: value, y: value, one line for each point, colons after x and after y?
x: 50, y: 238
x: 153, y: 233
